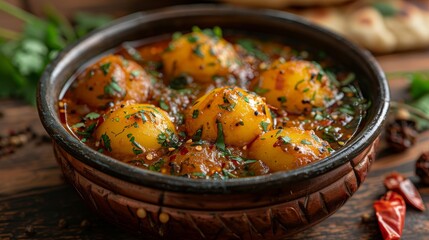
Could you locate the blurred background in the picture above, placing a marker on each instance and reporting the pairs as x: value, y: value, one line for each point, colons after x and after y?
x: 32, y: 32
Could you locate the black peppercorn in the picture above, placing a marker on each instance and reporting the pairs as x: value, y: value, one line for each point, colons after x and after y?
x: 422, y: 168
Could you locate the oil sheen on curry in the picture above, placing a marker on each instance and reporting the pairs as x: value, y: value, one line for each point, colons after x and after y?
x: 199, y: 105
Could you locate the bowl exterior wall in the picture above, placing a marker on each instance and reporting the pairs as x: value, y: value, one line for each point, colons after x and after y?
x: 173, y: 215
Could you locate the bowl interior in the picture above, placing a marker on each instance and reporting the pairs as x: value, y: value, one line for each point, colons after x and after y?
x: 166, y: 21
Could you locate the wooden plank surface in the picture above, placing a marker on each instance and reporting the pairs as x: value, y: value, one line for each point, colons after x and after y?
x: 35, y: 203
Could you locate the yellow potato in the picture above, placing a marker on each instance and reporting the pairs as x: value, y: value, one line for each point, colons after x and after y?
x: 199, y: 56
x: 135, y: 129
x: 112, y: 79
x: 296, y: 86
x: 289, y: 148
x: 242, y: 115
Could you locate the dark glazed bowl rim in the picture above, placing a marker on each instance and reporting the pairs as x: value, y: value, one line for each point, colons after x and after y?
x: 49, y: 115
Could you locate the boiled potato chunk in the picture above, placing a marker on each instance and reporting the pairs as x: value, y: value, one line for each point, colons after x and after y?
x: 230, y: 113
x: 112, y: 79
x: 135, y: 129
x: 289, y: 148
x: 196, y: 161
x: 200, y: 56
x: 296, y: 86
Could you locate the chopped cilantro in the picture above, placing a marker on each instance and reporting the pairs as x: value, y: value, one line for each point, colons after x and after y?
x: 92, y: 116
x: 156, y: 166
x: 264, y: 126
x: 168, y: 139
x: 176, y: 35
x: 197, y: 135
x: 192, y: 38
x: 199, y: 174
x: 137, y: 148
x: 306, y: 142
x: 195, y: 113
x: 78, y: 125
x: 298, y: 83
x: 197, y: 51
x: 285, y: 139
x: 349, y: 79
x: 105, y: 68
x: 106, y: 142
x: 112, y: 88
x: 163, y: 105
x: 261, y: 91
x: 220, y: 140
x: 217, y: 31
x: 135, y: 73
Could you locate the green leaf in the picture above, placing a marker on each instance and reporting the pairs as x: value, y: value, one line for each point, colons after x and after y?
x: 36, y: 30
x: 53, y: 38
x: 385, y: 9
x: 30, y: 57
x: 86, y: 22
x: 423, y: 105
x: 419, y: 84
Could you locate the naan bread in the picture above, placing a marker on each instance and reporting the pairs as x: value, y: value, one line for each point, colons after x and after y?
x: 284, y: 3
x: 380, y: 26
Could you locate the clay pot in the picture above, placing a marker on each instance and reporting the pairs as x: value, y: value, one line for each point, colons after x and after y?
x: 263, y: 207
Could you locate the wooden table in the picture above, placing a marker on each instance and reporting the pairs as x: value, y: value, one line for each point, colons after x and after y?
x: 35, y: 199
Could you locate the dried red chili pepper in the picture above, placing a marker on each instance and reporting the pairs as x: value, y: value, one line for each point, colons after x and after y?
x: 403, y: 186
x: 390, y: 212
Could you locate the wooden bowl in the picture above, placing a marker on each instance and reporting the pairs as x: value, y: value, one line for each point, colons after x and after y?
x: 262, y: 207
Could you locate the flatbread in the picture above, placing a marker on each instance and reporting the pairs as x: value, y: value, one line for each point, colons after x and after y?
x: 380, y: 26
x: 284, y: 3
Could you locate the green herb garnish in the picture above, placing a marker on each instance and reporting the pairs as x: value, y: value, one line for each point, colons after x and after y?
x: 106, y: 142
x: 156, y: 166
x: 261, y: 91
x: 197, y: 51
x: 195, y: 113
x: 220, y: 140
x: 105, y: 68
x: 264, y: 126
x: 92, y: 116
x: 112, y: 88
x: 163, y: 105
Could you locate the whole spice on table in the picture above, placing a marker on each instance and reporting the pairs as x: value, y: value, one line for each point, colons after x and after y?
x: 401, y: 134
x: 29, y: 231
x: 62, y: 223
x: 390, y: 212
x: 422, y: 168
x: 366, y: 218
x: 403, y: 186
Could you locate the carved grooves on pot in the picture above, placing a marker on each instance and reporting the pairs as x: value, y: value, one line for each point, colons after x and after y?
x: 271, y: 222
